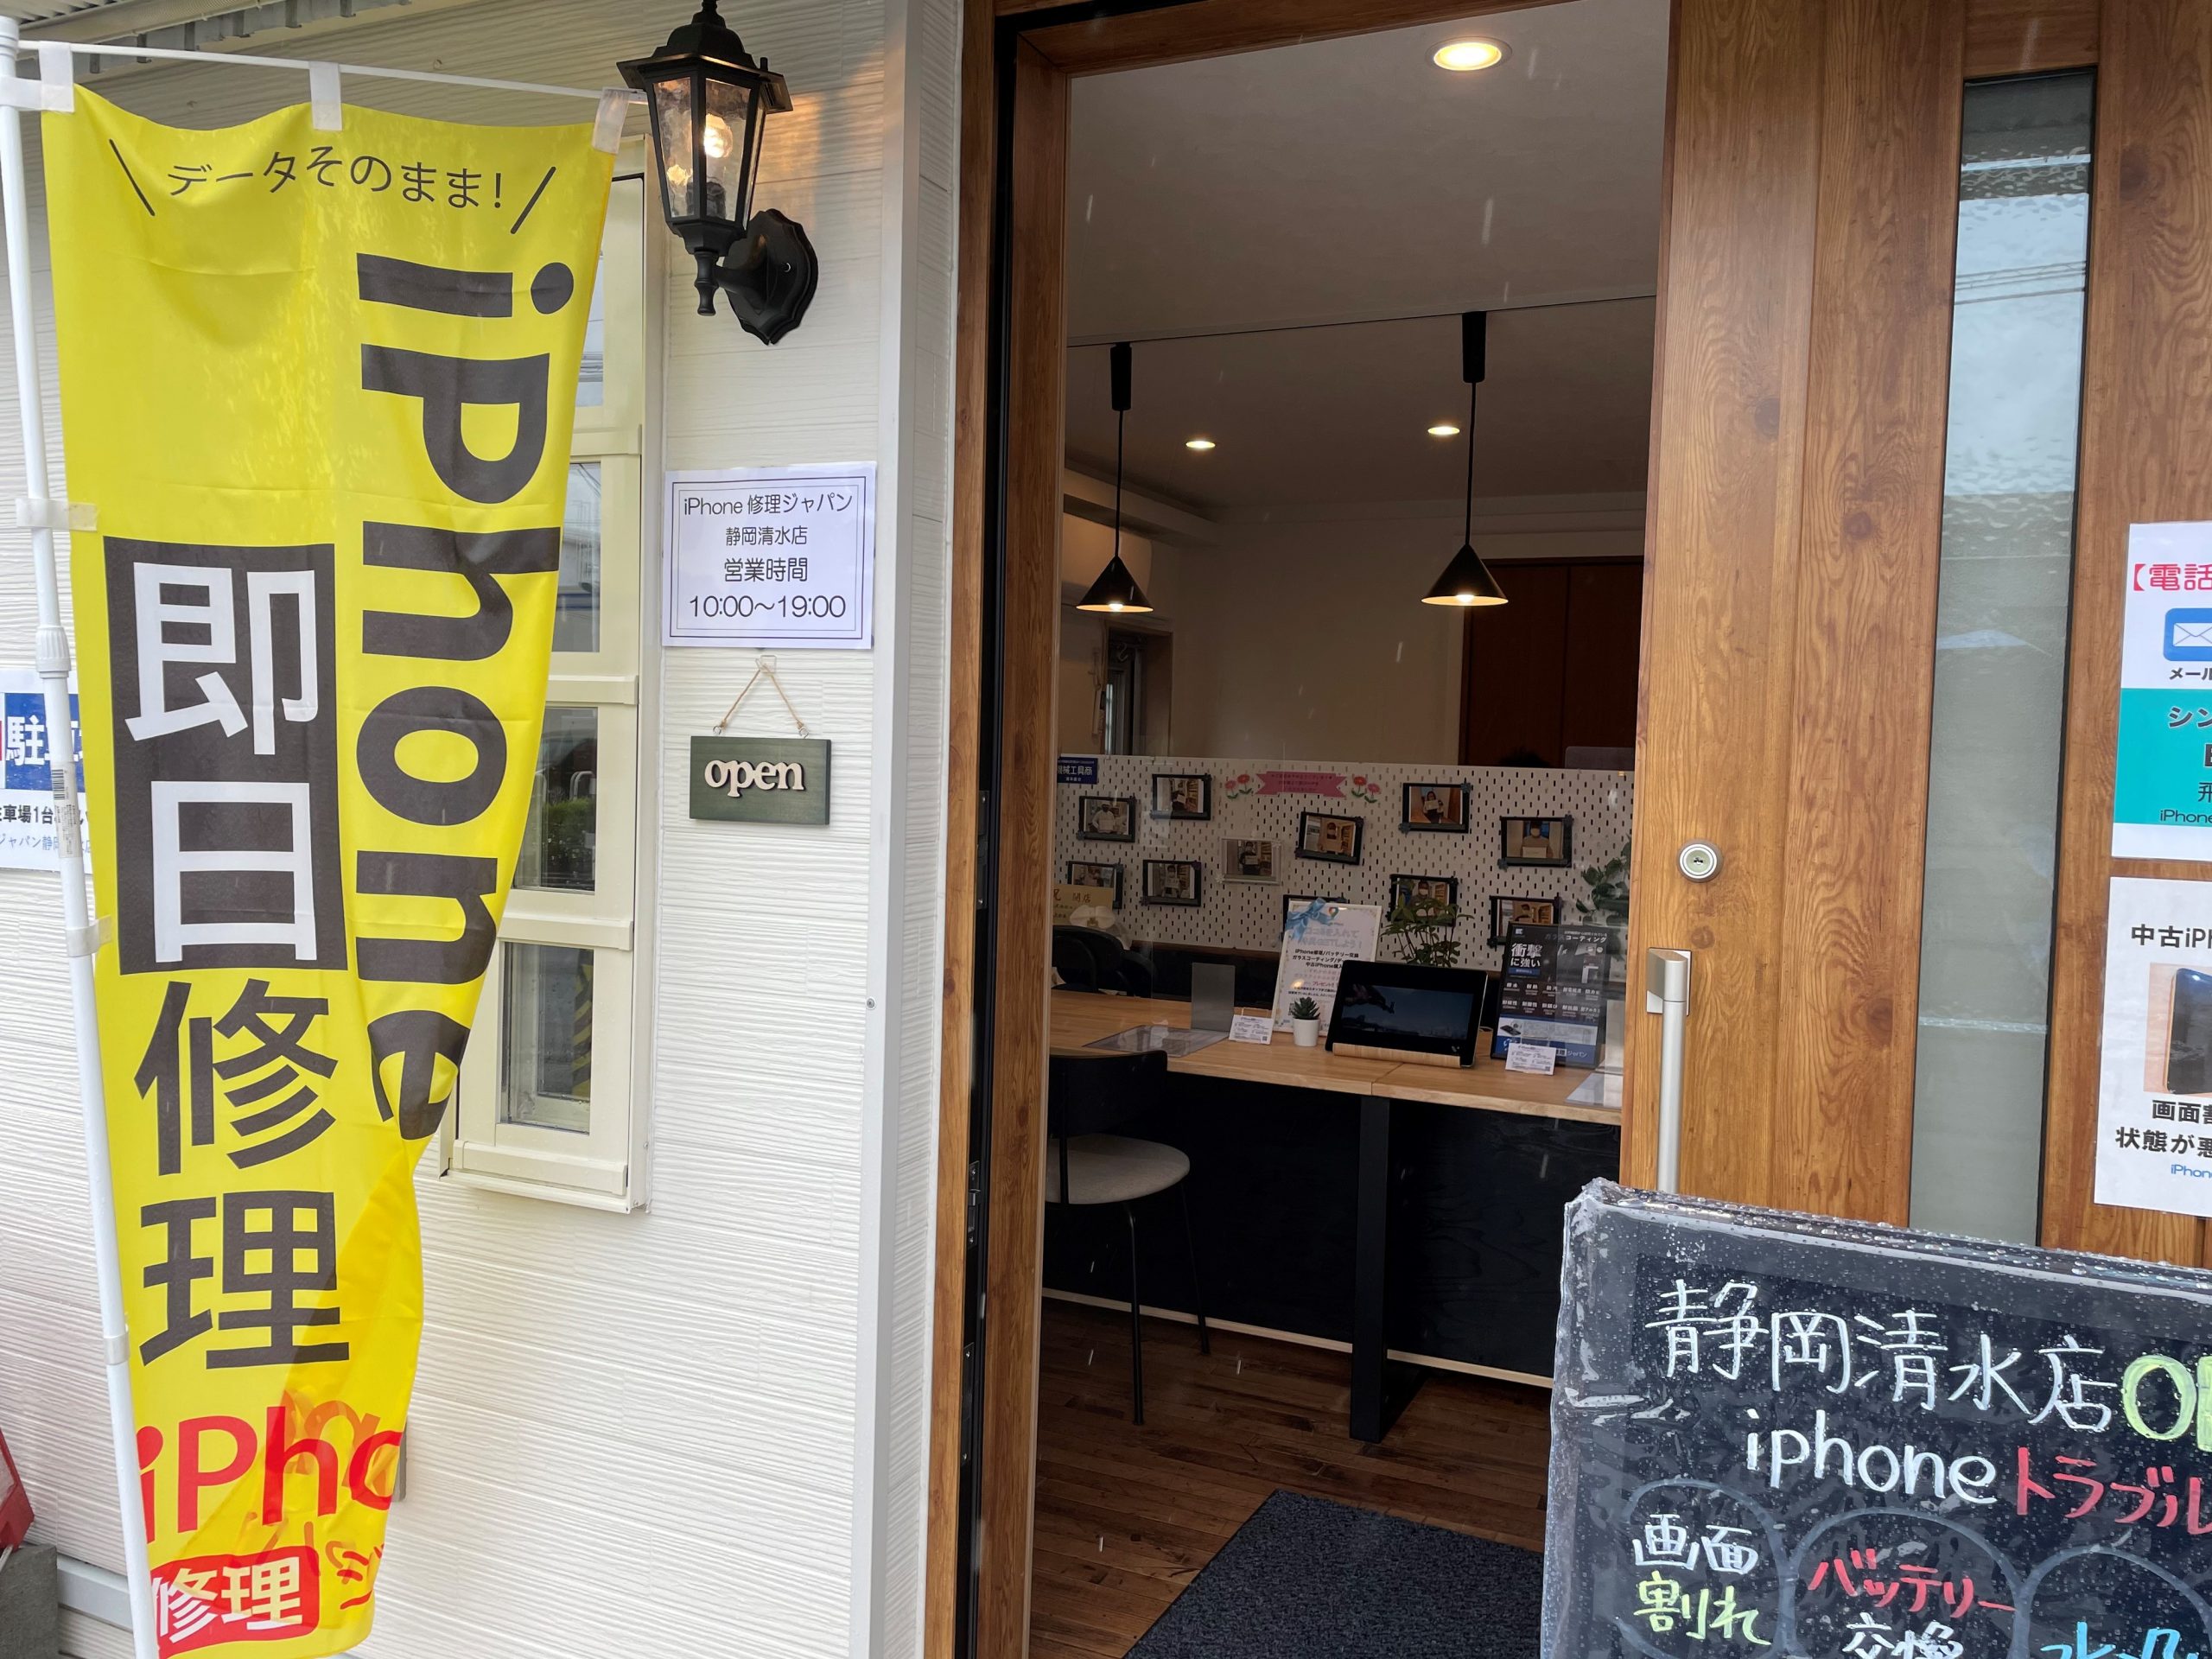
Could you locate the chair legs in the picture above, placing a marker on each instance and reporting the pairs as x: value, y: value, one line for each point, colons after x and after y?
x: 1197, y: 1280
x: 1136, y: 1327
x: 1136, y: 1301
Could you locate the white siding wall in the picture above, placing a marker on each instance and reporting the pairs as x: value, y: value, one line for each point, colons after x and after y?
x: 698, y: 1429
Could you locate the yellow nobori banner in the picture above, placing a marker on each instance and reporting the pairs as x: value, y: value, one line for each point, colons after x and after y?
x: 318, y: 387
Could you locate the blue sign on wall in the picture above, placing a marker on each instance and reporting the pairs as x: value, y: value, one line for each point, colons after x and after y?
x: 1079, y: 768
x: 25, y: 762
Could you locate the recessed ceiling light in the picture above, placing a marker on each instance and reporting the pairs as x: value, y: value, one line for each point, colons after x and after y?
x: 1200, y: 444
x: 1444, y: 430
x: 1468, y: 54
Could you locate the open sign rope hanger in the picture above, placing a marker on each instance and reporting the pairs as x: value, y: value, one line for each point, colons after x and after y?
x: 765, y: 669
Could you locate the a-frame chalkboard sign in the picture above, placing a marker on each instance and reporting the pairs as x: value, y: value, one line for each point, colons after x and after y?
x: 1785, y: 1435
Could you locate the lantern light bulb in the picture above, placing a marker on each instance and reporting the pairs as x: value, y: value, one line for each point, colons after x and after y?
x: 715, y: 139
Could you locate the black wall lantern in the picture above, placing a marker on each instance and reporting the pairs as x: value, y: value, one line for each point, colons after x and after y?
x: 707, y: 101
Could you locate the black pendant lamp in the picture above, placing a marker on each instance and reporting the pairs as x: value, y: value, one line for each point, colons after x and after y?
x: 1116, y: 590
x: 1467, y: 581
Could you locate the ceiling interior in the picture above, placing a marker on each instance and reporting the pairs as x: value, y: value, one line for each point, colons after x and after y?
x: 1288, y: 237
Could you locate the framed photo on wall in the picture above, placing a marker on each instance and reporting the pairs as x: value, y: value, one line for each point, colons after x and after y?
x: 1174, y: 881
x: 1299, y: 902
x: 1329, y: 837
x: 1085, y: 873
x: 1187, y: 795
x: 1440, y: 807
x: 1547, y: 842
x: 1425, y: 892
x: 1249, y: 861
x: 1507, y: 908
x: 1106, y: 817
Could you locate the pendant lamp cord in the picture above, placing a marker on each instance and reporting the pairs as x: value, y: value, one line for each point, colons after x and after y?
x: 1121, y: 424
x: 1469, y: 537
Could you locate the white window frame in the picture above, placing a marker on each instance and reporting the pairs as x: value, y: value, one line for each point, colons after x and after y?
x: 603, y: 1166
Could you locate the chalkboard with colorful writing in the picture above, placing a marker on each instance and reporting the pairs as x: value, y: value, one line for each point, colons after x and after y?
x: 1785, y: 1435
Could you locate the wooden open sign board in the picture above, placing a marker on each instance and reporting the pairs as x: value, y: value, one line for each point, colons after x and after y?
x: 760, y: 779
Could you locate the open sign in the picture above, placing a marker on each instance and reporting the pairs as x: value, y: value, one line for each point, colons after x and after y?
x: 735, y: 777
x: 760, y: 779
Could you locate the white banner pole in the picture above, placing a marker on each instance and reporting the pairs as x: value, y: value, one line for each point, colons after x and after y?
x: 53, y: 659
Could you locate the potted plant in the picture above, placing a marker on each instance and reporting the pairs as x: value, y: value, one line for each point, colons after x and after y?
x: 1305, y: 1021
x: 1607, y: 907
x: 1423, y: 930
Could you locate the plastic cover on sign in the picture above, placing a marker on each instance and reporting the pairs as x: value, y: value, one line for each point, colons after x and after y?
x: 1788, y: 1436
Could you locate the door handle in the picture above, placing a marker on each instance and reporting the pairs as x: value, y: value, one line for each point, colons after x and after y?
x: 1667, y: 994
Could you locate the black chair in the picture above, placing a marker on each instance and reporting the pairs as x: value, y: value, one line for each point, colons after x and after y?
x: 1083, y: 957
x: 1089, y: 960
x: 1087, y: 1164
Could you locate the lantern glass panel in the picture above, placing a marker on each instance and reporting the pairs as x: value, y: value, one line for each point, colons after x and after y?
x: 722, y: 141
x: 672, y: 121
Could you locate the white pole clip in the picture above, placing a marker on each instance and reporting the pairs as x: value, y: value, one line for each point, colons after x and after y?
x: 57, y: 77
x: 36, y: 95
x: 327, y: 103
x: 607, y: 127
x: 45, y: 512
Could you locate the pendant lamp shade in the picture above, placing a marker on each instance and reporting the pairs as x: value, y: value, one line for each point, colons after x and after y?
x: 1116, y: 591
x: 1467, y: 581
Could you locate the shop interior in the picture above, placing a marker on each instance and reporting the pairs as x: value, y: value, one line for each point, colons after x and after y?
x: 1358, y: 391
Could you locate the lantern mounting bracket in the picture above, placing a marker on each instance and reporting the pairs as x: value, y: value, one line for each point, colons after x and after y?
x: 769, y: 276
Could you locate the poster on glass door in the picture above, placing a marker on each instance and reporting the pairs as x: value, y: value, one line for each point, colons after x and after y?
x: 2162, y: 783
x: 2154, y: 1101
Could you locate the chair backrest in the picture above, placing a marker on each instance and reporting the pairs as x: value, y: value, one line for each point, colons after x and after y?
x: 1086, y: 958
x: 1074, y: 960
x: 1097, y: 1096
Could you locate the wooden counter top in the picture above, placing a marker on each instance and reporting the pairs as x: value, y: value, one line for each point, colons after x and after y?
x: 1080, y: 1018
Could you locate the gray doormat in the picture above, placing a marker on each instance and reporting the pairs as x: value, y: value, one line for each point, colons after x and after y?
x: 1308, y: 1578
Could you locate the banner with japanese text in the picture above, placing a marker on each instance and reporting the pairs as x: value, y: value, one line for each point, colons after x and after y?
x: 317, y: 388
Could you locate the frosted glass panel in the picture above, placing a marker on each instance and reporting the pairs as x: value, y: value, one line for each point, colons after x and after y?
x: 2000, y: 658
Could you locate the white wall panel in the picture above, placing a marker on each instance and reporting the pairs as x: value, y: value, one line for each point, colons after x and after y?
x: 637, y: 1435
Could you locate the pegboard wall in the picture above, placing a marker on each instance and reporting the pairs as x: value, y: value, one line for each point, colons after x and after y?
x: 1249, y: 915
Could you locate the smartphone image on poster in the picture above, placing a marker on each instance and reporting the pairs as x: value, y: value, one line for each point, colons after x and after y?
x: 2188, y: 1038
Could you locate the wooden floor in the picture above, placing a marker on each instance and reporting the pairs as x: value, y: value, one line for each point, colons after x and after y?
x: 1125, y: 1516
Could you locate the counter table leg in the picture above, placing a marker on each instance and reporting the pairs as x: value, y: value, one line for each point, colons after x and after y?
x: 1380, y: 1390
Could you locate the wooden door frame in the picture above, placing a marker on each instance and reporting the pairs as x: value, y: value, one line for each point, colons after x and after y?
x: 1017, y: 56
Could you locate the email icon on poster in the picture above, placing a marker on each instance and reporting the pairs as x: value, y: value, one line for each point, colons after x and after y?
x: 2189, y: 636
